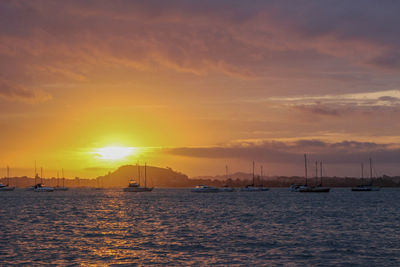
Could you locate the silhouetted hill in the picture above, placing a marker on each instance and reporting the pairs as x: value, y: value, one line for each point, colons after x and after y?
x: 166, y: 177
x: 156, y: 176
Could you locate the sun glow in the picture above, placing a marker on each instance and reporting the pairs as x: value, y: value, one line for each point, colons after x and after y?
x: 115, y: 152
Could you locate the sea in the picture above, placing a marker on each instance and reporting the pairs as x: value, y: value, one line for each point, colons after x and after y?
x: 173, y: 227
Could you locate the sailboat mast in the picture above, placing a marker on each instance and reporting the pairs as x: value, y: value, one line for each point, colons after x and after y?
x: 63, y: 176
x: 8, y: 175
x: 305, y: 166
x: 370, y: 168
x: 362, y: 170
x: 35, y: 172
x: 145, y: 174
x: 58, y: 179
x: 320, y: 170
x: 226, y: 170
x: 138, y: 169
x: 253, y: 173
x: 41, y: 175
x: 261, y: 178
x: 316, y: 169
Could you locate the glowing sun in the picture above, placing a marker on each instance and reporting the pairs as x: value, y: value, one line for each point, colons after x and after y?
x: 114, y: 152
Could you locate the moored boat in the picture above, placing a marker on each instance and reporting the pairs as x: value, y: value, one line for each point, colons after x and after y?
x: 7, y: 187
x: 366, y: 187
x: 63, y: 187
x: 134, y: 186
x: 42, y: 188
x: 205, y: 189
x: 252, y: 187
x: 308, y: 188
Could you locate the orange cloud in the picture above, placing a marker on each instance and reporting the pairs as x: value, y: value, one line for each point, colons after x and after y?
x: 13, y: 92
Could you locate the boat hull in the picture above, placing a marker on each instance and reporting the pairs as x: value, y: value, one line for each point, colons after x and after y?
x: 315, y: 190
x: 253, y: 189
x: 365, y: 189
x: 206, y: 190
x: 43, y: 189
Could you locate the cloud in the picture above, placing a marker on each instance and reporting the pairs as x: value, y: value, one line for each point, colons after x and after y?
x: 13, y: 92
x: 232, y: 38
x: 318, y: 109
x: 344, y: 152
x: 389, y: 99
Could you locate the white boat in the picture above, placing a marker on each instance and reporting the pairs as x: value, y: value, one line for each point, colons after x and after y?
x: 134, y: 186
x: 43, y: 188
x: 369, y: 187
x: 7, y: 187
x: 205, y: 189
x: 296, y: 187
x: 308, y: 188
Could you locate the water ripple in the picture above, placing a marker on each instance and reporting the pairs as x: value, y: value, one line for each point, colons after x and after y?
x: 176, y: 227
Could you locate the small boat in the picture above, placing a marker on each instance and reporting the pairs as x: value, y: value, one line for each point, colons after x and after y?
x: 368, y: 187
x: 134, y: 186
x: 307, y: 188
x: 314, y: 189
x: 252, y: 187
x: 7, y: 187
x: 205, y: 189
x: 42, y: 188
x: 365, y: 188
x: 296, y: 187
x: 58, y: 187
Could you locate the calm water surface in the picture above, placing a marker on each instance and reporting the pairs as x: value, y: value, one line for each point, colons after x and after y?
x: 177, y: 227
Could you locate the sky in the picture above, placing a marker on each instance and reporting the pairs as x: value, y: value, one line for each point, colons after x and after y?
x: 198, y: 85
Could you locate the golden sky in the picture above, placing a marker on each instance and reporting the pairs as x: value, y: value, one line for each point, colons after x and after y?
x: 197, y: 85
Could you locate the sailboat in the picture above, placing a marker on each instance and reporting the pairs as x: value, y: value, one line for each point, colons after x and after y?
x: 252, y: 187
x: 7, y: 187
x: 296, y: 187
x: 312, y: 189
x: 134, y: 186
x: 367, y: 187
x: 41, y: 187
x: 58, y: 187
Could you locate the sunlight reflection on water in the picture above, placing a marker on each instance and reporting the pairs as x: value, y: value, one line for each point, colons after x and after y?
x: 176, y: 227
